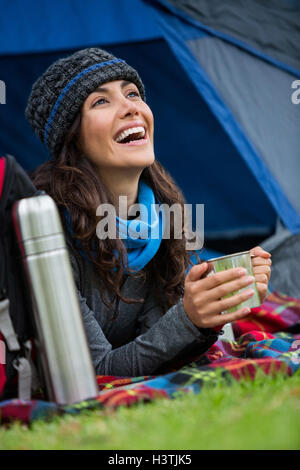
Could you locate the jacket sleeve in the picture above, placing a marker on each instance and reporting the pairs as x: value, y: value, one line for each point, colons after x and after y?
x: 176, y: 322
x: 171, y: 336
x: 160, y: 339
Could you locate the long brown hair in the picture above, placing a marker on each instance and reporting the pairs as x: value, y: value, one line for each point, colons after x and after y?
x: 73, y: 182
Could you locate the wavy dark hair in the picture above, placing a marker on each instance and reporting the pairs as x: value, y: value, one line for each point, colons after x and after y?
x: 73, y: 182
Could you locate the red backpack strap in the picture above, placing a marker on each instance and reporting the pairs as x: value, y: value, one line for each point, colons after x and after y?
x: 2, y: 171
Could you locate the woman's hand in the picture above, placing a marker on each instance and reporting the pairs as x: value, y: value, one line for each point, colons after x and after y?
x: 202, y: 300
x: 261, y: 262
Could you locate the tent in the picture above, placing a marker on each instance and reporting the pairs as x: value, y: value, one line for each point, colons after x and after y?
x: 219, y: 79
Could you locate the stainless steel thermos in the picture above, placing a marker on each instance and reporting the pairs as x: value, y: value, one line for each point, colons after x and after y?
x: 62, y: 344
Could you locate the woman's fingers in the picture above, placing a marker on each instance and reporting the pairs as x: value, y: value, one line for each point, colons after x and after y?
x: 259, y: 270
x: 262, y: 278
x: 258, y: 251
x: 217, y: 279
x: 196, y: 272
x: 234, y: 300
x: 262, y: 288
x: 229, y: 287
x: 259, y: 261
x: 239, y: 314
x: 220, y: 305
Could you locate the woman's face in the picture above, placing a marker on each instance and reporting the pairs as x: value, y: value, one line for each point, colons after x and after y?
x: 117, y: 128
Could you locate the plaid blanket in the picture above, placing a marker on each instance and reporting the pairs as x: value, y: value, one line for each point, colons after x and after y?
x: 268, y: 340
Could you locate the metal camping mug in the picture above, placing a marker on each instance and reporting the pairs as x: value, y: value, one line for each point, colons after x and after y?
x: 62, y: 346
x: 236, y: 260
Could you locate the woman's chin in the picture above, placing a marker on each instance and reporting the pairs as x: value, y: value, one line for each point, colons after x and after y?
x: 143, y: 161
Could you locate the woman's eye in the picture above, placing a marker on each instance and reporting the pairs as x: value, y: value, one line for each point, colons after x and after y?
x: 100, y: 101
x: 135, y: 93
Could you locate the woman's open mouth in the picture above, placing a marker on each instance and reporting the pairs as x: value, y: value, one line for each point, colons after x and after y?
x: 133, y: 136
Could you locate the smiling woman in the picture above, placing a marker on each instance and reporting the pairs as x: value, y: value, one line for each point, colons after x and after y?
x: 139, y: 307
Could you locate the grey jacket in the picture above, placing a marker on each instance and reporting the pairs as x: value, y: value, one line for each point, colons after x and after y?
x: 141, y: 339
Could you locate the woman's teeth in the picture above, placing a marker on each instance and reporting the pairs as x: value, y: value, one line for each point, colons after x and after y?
x: 133, y: 130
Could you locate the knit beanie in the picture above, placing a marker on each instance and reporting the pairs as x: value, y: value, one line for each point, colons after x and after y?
x: 57, y: 96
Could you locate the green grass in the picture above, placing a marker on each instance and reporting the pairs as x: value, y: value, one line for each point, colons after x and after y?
x: 260, y: 414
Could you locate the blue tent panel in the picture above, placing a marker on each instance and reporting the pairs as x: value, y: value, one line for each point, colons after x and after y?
x: 71, y: 24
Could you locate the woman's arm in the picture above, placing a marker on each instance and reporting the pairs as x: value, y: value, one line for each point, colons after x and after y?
x: 204, y: 337
x: 170, y: 335
x: 159, y: 338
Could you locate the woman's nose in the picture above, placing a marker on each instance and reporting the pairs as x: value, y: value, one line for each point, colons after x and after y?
x: 127, y: 107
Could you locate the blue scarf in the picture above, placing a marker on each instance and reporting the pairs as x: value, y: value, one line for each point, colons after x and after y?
x: 149, y: 228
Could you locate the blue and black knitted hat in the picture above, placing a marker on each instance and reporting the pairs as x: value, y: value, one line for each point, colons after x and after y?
x: 57, y: 96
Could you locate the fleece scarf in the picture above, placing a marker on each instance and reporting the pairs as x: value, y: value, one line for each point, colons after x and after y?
x: 142, y: 236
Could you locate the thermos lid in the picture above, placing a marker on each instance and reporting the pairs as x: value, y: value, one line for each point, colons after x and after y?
x: 37, y: 217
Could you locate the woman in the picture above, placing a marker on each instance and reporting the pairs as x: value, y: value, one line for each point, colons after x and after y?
x: 140, y: 309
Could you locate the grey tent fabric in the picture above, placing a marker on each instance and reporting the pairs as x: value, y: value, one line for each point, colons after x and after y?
x: 259, y: 96
x: 285, y: 250
x: 280, y: 235
x: 285, y: 273
x: 270, y: 26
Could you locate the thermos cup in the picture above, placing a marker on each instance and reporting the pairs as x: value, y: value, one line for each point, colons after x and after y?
x: 236, y: 260
x: 243, y: 260
x: 62, y: 345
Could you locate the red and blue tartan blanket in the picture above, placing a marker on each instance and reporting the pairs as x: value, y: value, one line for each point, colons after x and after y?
x: 268, y: 340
